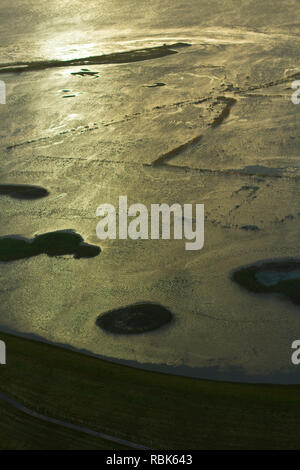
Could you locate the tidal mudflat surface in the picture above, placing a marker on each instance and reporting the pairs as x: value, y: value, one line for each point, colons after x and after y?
x: 223, y: 132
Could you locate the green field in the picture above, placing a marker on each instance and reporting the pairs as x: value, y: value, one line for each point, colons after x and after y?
x: 156, y: 410
x: 21, y: 432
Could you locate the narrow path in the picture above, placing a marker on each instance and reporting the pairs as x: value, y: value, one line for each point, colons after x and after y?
x: 65, y: 424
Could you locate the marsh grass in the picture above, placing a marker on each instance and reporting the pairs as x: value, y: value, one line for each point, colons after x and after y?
x: 289, y: 288
x: 52, y: 244
x: 134, y: 319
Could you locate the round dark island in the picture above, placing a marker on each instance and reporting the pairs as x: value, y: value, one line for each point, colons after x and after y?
x: 134, y: 319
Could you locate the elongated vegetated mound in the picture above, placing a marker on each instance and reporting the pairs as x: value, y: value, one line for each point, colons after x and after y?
x: 52, y: 244
x: 134, y: 319
x: 23, y: 191
x: 273, y: 277
x: 124, y: 57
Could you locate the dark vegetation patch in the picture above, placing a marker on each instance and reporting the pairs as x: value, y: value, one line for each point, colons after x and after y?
x: 23, y: 191
x: 134, y: 319
x: 115, y: 58
x: 52, y: 244
x: 86, y: 73
x: 155, y: 85
x: 285, y: 278
x: 176, y: 151
x: 157, y: 410
x: 253, y: 228
x: 229, y: 102
x: 250, y: 189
